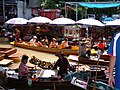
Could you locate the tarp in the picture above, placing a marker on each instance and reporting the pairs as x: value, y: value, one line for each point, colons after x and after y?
x: 99, y: 5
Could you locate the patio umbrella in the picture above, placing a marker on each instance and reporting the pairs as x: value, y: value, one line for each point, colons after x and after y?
x: 90, y: 22
x: 17, y: 21
x: 39, y: 20
x: 63, y: 21
x: 113, y: 23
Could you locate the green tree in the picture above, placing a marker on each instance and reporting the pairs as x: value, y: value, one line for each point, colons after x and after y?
x: 49, y: 4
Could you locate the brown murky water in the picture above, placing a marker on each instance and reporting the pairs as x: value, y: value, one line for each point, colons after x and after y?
x: 40, y: 55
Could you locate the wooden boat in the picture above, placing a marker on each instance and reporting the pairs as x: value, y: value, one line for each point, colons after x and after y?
x: 5, y: 62
x: 48, y: 83
x: 48, y: 50
x: 7, y: 51
x: 11, y: 54
x: 2, y: 56
x: 87, y: 61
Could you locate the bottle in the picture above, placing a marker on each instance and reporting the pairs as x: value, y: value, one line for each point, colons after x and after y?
x: 99, y: 53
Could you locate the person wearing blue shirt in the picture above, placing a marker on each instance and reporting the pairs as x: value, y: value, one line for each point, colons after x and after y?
x: 114, y: 52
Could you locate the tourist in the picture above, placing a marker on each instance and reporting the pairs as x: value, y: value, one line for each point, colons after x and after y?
x: 63, y: 65
x: 45, y: 41
x: 83, y: 50
x: 101, y: 45
x: 38, y: 30
x: 33, y: 41
x: 105, y: 43
x: 114, y: 52
x: 23, y: 69
x: 64, y: 44
x: 53, y: 43
x: 17, y: 36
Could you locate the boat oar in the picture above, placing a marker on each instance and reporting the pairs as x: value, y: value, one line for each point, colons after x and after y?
x: 94, y: 87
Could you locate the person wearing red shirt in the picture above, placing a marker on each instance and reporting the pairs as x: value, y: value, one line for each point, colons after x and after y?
x: 101, y: 45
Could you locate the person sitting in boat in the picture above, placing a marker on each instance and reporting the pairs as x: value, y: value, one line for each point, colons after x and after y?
x: 23, y: 69
x: 83, y: 50
x: 17, y: 36
x: 63, y: 65
x: 39, y: 42
x: 101, y: 45
x: 64, y: 44
x: 53, y: 43
x: 45, y: 41
x: 33, y: 41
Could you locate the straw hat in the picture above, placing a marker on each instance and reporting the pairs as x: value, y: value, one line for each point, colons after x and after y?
x: 88, y: 39
x: 38, y: 27
x: 86, y: 42
x: 83, y: 39
x: 104, y: 39
x: 34, y: 37
x: 54, y: 39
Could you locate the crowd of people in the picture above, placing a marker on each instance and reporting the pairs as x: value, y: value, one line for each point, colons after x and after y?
x: 44, y: 42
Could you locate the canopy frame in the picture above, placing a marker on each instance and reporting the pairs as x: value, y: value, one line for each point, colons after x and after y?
x: 91, y: 5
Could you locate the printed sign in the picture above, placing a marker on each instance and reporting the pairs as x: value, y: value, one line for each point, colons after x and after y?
x: 79, y: 83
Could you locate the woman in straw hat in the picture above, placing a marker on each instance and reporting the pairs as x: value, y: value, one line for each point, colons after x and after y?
x: 53, y: 43
x: 33, y: 41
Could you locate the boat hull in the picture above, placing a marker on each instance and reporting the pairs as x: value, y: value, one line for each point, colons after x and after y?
x: 8, y: 51
x: 48, y: 50
x: 87, y: 61
x: 93, y: 62
x: 16, y: 83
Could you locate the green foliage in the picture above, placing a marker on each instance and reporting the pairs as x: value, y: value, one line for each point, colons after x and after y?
x: 49, y: 4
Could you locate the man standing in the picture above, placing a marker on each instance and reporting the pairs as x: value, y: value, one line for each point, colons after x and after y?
x: 114, y: 52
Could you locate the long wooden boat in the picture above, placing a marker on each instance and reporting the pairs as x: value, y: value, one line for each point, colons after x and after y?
x: 42, y: 85
x: 87, y: 61
x: 48, y: 50
x: 2, y: 56
x: 51, y: 83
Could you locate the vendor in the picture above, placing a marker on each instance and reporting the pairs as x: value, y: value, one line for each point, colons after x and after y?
x: 23, y: 69
x: 63, y: 65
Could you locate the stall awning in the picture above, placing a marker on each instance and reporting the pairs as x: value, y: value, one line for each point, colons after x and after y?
x: 99, y: 5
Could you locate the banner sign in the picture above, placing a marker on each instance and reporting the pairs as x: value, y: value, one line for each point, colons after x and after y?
x: 80, y: 83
